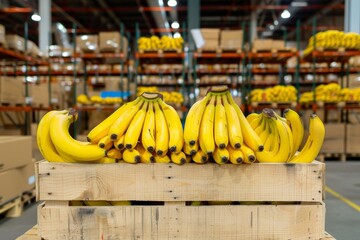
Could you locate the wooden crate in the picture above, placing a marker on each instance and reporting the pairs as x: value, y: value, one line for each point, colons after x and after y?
x: 297, y: 189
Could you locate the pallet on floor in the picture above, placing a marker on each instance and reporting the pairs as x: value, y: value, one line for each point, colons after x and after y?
x: 28, y: 197
x: 12, y: 208
x: 323, y: 157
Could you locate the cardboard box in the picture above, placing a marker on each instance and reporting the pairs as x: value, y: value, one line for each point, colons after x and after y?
x: 87, y: 43
x: 28, y: 173
x: 11, y: 157
x: 231, y: 39
x: 2, y: 35
x: 15, y: 42
x: 12, y: 184
x: 278, y: 44
x: 262, y: 44
x: 210, y: 37
x: 111, y: 42
x: 334, y: 141
x: 12, y: 90
x: 352, y: 138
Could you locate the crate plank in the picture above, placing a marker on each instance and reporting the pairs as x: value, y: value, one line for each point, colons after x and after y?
x: 189, y: 182
x: 183, y: 222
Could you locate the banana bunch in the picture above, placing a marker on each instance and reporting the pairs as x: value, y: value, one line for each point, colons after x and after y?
x: 83, y: 99
x: 144, y: 130
x: 333, y: 39
x: 215, y: 128
x: 325, y: 93
x: 169, y: 97
x: 350, y: 95
x: 155, y: 43
x: 278, y: 93
x: 282, y: 136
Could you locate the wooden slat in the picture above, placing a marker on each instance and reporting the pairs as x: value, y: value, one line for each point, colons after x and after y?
x: 183, y: 222
x: 189, y: 182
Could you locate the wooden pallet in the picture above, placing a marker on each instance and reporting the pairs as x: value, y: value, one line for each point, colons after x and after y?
x: 28, y: 197
x: 332, y: 156
x: 273, y: 50
x: 218, y: 50
x: 300, y: 186
x: 12, y: 208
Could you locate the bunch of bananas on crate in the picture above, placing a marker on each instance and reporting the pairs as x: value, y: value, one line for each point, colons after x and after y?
x: 333, y: 39
x: 144, y: 130
x: 155, y: 43
x: 324, y: 93
x: 169, y: 97
x: 83, y: 99
x: 216, y: 128
x: 278, y: 93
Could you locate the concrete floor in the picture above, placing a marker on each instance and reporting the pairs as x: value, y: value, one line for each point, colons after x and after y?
x: 342, y: 220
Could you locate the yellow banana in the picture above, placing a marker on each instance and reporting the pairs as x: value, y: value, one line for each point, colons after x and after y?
x: 193, y: 121
x: 250, y: 138
x: 221, y: 155
x: 145, y: 156
x: 97, y: 203
x: 249, y: 154
x: 313, y: 143
x: 120, y: 203
x: 102, y: 129
x: 43, y: 138
x: 134, y: 130
x: 105, y: 143
x: 131, y: 156
x: 220, y: 126
x: 106, y: 160
x: 236, y: 156
x: 200, y: 157
x: 148, y: 131
x: 161, y: 132
x: 114, y: 153
x: 191, y: 150
x: 206, y: 135
x: 121, y: 124
x: 251, y: 117
x: 162, y: 159
x: 296, y: 126
x: 119, y: 144
x: 176, y: 134
x: 234, y: 128
x: 178, y: 158
x: 59, y: 132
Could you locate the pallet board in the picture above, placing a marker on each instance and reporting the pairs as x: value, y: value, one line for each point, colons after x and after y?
x: 13, y: 208
x: 189, y: 182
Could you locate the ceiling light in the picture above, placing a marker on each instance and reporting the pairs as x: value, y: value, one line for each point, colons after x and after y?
x: 35, y: 17
x: 271, y: 27
x: 276, y: 22
x: 299, y: 4
x: 175, y: 25
x: 172, y: 3
x: 84, y: 37
x: 177, y: 35
x: 285, y: 14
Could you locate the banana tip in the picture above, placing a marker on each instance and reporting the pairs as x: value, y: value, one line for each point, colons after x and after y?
x: 128, y: 146
x: 172, y: 149
x: 237, y: 145
x: 313, y: 115
x: 192, y: 142
x: 137, y: 159
x: 182, y: 161
x: 102, y: 145
x: 222, y: 145
x: 152, y: 159
x: 252, y: 158
x: 113, y: 136
x: 239, y: 160
x: 204, y: 159
x: 150, y: 149
x: 159, y: 153
x: 192, y: 152
x: 224, y: 159
x: 88, y: 139
x: 261, y: 148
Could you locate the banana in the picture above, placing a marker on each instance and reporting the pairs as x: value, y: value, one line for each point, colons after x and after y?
x: 119, y: 144
x: 285, y: 142
x: 191, y: 150
x: 221, y: 155
x: 178, y: 158
x: 220, y: 125
x: 176, y: 134
x: 114, y: 153
x: 120, y: 203
x: 134, y: 130
x: 97, y: 203
x: 102, y: 129
x: 76, y: 203
x: 250, y: 138
x: 200, y: 157
x: 105, y: 143
x: 106, y: 160
x: 145, y: 156
x: 59, y: 132
x: 131, y: 156
x: 313, y: 143
x: 271, y: 135
x: 161, y: 132
x: 206, y: 135
x: 119, y: 127
x: 236, y: 156
x: 264, y: 133
x: 251, y: 117
x: 296, y: 126
x: 162, y: 159
x: 43, y: 138
x: 234, y: 128
x: 249, y: 154
x: 193, y: 121
x: 148, y: 131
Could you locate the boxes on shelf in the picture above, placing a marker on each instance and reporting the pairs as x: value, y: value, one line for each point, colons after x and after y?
x: 15, y: 42
x: 12, y: 90
x: 211, y: 38
x: 28, y: 173
x: 299, y: 186
x: 111, y: 42
x: 334, y: 141
x: 352, y: 138
x: 278, y: 44
x: 2, y: 35
x: 231, y: 39
x: 11, y: 157
x: 262, y: 44
x: 87, y: 43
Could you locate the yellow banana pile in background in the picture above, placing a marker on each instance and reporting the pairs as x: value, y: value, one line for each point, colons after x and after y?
x: 148, y: 130
x: 83, y: 99
x: 169, y: 97
x: 277, y: 93
x: 333, y: 39
x: 331, y: 93
x: 155, y: 43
